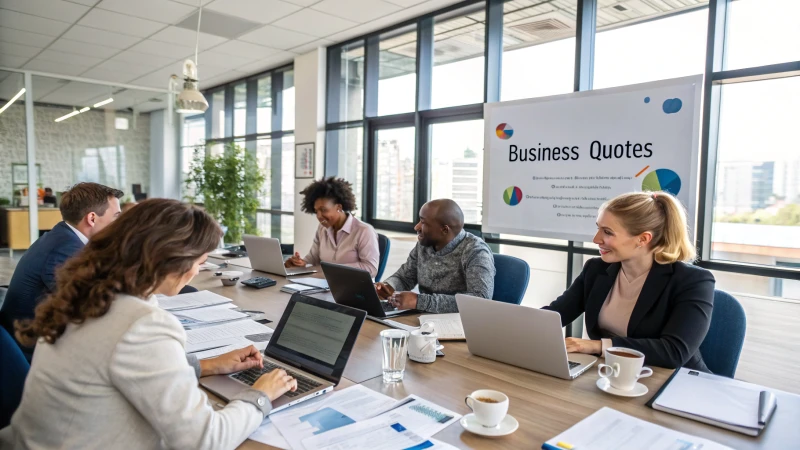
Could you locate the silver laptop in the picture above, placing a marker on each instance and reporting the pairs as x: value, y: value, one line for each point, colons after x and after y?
x: 313, y: 354
x: 525, y: 337
x: 265, y: 256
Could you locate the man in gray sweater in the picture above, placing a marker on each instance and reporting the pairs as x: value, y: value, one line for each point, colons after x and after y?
x: 446, y: 261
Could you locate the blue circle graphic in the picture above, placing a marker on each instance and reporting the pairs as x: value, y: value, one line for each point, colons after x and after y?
x: 647, y: 99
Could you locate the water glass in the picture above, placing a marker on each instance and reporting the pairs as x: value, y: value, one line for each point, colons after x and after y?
x: 395, y: 353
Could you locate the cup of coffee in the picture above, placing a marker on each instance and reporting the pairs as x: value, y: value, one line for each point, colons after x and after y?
x: 489, y: 407
x: 623, y: 367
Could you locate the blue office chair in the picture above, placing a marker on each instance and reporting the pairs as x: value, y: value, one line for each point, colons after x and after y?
x: 12, y: 377
x: 187, y: 289
x: 383, y: 250
x: 511, y: 279
x: 723, y: 344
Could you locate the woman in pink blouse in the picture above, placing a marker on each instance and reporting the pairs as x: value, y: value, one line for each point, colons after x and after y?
x: 341, y: 238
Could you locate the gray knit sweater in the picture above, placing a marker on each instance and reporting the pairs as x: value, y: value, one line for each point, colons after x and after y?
x: 464, y: 266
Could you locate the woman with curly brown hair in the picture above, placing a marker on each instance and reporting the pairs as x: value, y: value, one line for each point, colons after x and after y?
x: 110, y: 368
x: 340, y: 238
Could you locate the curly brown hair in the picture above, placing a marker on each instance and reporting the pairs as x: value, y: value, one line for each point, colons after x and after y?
x: 133, y: 256
x: 337, y: 189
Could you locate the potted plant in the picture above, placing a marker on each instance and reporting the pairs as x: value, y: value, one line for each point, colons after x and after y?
x: 228, y: 186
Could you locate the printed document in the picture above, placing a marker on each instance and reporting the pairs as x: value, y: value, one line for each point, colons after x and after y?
x: 191, y: 300
x: 210, y: 314
x: 198, y: 339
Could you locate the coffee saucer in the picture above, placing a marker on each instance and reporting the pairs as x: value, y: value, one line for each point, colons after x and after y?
x: 507, y: 426
x: 605, y: 385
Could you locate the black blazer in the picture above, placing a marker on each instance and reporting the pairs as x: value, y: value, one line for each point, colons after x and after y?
x: 670, y: 319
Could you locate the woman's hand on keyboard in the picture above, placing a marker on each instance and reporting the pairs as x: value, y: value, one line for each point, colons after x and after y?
x: 235, y: 361
x: 275, y: 383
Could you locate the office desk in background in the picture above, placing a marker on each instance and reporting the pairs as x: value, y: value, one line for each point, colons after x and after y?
x: 15, y: 232
x: 543, y: 405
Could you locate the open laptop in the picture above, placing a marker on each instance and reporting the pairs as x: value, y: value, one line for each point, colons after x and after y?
x: 314, y: 354
x: 265, y: 256
x: 525, y: 337
x: 354, y: 287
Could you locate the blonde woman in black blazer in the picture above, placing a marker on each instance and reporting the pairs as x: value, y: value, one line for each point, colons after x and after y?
x: 642, y: 236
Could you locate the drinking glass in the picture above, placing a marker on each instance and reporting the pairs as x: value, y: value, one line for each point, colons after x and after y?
x: 395, y: 353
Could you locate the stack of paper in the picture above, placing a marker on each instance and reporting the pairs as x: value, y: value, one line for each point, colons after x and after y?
x: 229, y: 333
x: 447, y: 326
x: 191, y: 300
x: 211, y: 314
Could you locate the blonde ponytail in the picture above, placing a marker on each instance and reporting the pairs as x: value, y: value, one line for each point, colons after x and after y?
x: 661, y: 214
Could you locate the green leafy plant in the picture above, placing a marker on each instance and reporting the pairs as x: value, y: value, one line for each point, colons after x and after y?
x: 228, y: 186
x: 4, y: 201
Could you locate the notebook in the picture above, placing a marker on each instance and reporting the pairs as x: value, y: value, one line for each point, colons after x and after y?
x: 723, y: 402
x: 447, y: 326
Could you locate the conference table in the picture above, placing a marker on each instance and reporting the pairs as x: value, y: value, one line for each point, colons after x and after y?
x: 544, y: 406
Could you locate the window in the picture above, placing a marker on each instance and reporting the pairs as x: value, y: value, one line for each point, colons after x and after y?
x: 287, y: 173
x: 192, y: 136
x: 240, y: 109
x: 397, y: 77
x: 264, y: 105
x: 538, y: 48
x: 458, y: 58
x: 349, y: 146
x: 762, y: 32
x: 218, y: 114
x: 278, y: 226
x: 394, y: 195
x: 346, y: 83
x: 631, y: 47
x: 264, y: 158
x: 757, y: 197
x: 457, y: 165
x: 288, y: 101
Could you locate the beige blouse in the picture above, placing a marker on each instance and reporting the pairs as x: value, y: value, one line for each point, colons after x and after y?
x: 616, y: 311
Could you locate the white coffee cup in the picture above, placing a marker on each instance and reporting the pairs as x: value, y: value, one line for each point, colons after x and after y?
x: 489, y: 407
x: 623, y: 367
x: 422, y: 346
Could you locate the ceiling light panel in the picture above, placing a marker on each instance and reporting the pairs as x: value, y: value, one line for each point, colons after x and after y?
x: 219, y: 24
x: 262, y: 11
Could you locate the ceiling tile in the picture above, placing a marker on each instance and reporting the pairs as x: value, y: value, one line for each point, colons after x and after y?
x: 311, y: 46
x: 24, y: 51
x: 192, y: 2
x: 275, y: 37
x: 303, y: 2
x: 69, y: 58
x: 219, y: 59
x: 267, y: 63
x: 85, y: 2
x: 358, y: 10
x: 157, y: 79
x: 263, y: 11
x: 34, y: 24
x: 207, y: 71
x: 102, y: 37
x: 245, y: 50
x: 45, y: 85
x: 141, y: 59
x: 78, y: 94
x: 83, y: 48
x: 12, y: 61
x: 10, y: 86
x: 406, y: 3
x: 108, y: 75
x: 25, y: 37
x: 163, y: 49
x: 314, y: 23
x: 120, y: 23
x: 182, y: 36
x: 51, y: 9
x: 53, y: 67
x: 157, y: 10
x: 133, y: 69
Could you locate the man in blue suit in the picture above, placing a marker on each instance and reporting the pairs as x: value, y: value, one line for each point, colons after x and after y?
x: 86, y: 209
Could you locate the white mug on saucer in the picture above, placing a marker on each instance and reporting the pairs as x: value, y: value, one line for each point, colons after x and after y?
x: 489, y: 407
x: 623, y: 367
x: 422, y: 346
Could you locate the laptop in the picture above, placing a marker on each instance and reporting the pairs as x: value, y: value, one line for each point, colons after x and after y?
x: 265, y: 256
x: 354, y: 287
x: 315, y: 355
x: 524, y: 337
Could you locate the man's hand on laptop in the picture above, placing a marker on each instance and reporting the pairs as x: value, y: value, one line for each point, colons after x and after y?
x: 235, y: 361
x: 384, y: 291
x: 295, y: 261
x: 275, y: 384
x: 404, y: 300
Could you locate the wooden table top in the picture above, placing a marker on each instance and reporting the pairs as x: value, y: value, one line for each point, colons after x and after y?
x: 544, y: 406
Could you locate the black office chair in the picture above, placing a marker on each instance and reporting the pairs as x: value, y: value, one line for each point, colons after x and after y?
x: 187, y: 289
x: 383, y: 250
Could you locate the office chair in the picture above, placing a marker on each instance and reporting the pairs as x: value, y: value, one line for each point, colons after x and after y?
x: 511, y: 279
x: 12, y: 377
x: 187, y: 289
x: 383, y: 250
x: 723, y: 343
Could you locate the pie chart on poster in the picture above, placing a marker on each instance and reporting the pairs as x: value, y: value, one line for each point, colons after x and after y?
x: 662, y: 180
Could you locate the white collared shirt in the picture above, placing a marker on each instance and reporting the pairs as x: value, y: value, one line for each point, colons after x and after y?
x: 83, y: 238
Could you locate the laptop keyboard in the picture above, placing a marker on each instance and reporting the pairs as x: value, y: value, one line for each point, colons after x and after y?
x: 304, y: 384
x: 573, y: 364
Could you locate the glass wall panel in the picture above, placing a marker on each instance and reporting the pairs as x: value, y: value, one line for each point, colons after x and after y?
x: 240, y: 109
x: 264, y: 105
x: 395, y: 174
x: 347, y: 85
x: 457, y: 165
x: 458, y: 63
x: 218, y: 114
x: 349, y: 144
x: 288, y: 101
x: 762, y: 32
x: 397, y: 78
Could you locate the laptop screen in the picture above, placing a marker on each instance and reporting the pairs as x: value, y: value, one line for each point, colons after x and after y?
x: 316, y: 336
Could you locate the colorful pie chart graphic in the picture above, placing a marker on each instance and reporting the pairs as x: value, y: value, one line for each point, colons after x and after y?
x: 512, y: 196
x: 504, y: 131
x: 662, y: 180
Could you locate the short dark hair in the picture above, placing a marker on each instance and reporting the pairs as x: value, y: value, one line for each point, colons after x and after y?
x: 83, y: 198
x: 337, y: 189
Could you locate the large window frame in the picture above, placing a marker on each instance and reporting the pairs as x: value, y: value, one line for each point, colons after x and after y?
x: 586, y: 30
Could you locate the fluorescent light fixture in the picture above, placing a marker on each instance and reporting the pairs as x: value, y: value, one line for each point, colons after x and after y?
x: 13, y: 99
x: 73, y: 113
x: 83, y: 110
x: 104, y: 102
